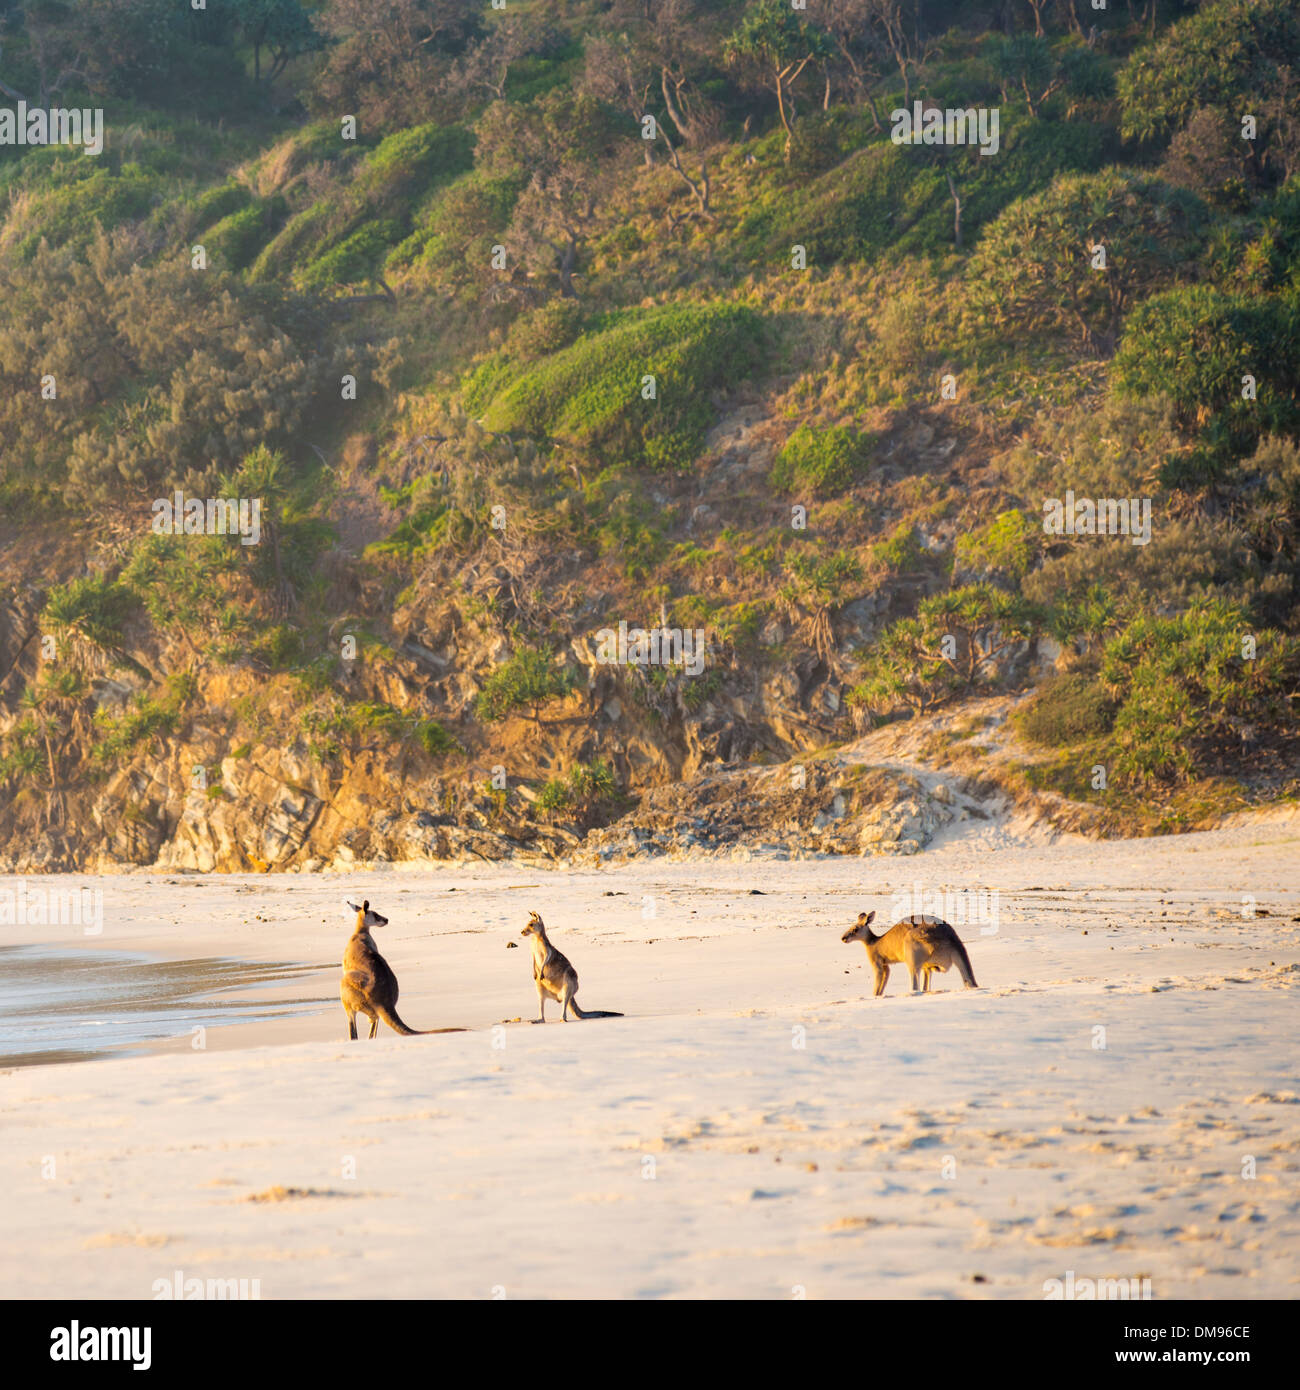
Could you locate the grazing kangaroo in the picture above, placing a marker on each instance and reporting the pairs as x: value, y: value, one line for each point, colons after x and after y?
x: 554, y: 976
x: 369, y: 986
x: 923, y: 944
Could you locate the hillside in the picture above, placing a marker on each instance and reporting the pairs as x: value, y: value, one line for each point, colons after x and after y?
x: 522, y: 326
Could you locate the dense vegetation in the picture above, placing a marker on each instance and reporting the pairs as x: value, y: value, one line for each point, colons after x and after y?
x: 493, y: 309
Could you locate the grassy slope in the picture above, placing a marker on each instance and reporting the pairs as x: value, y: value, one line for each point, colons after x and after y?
x: 714, y: 310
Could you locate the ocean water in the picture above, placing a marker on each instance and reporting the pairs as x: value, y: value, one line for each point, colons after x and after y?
x: 77, y: 1005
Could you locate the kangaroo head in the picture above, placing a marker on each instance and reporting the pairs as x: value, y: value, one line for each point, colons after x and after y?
x: 861, y: 929
x: 367, y: 919
x: 535, y: 926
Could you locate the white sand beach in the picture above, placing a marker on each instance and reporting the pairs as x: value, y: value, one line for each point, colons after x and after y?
x: 756, y: 1126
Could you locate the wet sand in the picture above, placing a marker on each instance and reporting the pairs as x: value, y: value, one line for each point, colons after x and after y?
x: 68, y: 1004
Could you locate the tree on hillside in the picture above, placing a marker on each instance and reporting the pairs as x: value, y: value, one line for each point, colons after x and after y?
x: 775, y: 44
x: 1083, y: 251
x: 624, y: 74
x: 853, y: 26
x: 677, y: 43
x: 106, y: 48
x: 558, y: 143
x: 896, y: 25
x: 484, y: 68
x: 282, y: 27
x: 390, y: 58
x: 1196, y: 345
x: 1026, y: 65
x: 1237, y: 56
x: 950, y: 647
x: 529, y: 680
x: 647, y: 59
x: 821, y: 587
x: 621, y: 74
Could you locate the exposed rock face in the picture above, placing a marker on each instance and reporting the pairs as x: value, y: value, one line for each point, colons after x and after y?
x: 238, y: 781
x: 832, y: 806
x: 273, y: 809
x: 19, y: 643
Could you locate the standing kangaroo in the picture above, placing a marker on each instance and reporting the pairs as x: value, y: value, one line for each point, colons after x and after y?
x: 369, y: 986
x: 923, y: 944
x: 554, y: 976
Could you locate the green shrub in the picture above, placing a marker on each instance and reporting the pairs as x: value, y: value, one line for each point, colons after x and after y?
x: 145, y: 720
x: 902, y: 551
x: 527, y: 681
x: 1181, y: 685
x: 1195, y: 346
x: 304, y: 236
x: 215, y: 205
x: 235, y: 242
x: 280, y: 647
x: 823, y: 461
x: 1225, y: 56
x: 423, y: 529
x: 826, y: 579
x: 951, y: 646
x: 884, y: 199
x: 147, y: 717
x: 457, y: 228
x: 1066, y: 710
x: 546, y: 330
x: 356, y: 260
x: 94, y: 608
x: 433, y: 738
x: 347, y: 237
x: 407, y: 166
x: 182, y: 580
x: 72, y: 214
x: 588, y: 790
x: 1010, y: 543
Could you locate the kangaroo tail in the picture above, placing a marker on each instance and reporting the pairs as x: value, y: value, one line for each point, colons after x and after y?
x: 390, y: 1017
x: 963, y: 964
x: 591, y: 1013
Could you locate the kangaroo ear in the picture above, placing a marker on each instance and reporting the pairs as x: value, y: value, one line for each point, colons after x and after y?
x: 871, y: 917
x: 365, y: 905
x: 352, y: 905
